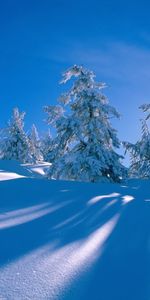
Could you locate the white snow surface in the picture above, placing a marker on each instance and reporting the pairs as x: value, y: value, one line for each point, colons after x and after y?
x: 64, y: 240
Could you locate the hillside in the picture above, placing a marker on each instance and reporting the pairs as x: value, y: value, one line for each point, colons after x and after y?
x: 64, y: 240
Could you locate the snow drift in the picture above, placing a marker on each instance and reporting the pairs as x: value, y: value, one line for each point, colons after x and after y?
x: 69, y: 240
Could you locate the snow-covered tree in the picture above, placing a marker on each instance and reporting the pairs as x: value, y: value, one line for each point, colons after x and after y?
x: 83, y: 148
x: 146, y: 108
x: 35, y: 145
x: 140, y: 151
x: 15, y: 143
x: 46, y: 146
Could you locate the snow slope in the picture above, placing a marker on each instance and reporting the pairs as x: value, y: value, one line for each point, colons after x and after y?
x: 73, y: 241
x: 12, y: 169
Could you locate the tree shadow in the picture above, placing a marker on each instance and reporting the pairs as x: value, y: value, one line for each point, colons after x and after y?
x: 35, y: 212
x: 120, y: 270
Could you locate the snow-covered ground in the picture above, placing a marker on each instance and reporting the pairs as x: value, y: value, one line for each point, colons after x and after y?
x: 73, y: 241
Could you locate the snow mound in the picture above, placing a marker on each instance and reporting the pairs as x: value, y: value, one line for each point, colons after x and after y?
x: 38, y: 169
x: 11, y: 169
x: 64, y: 240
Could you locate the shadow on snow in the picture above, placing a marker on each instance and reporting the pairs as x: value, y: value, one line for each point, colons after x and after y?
x: 36, y: 212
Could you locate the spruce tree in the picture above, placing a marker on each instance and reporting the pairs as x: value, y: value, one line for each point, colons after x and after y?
x: 83, y: 148
x: 140, y: 151
x: 35, y: 145
x: 15, y: 143
x: 46, y: 146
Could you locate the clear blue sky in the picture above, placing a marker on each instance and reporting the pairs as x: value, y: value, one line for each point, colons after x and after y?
x: 40, y: 39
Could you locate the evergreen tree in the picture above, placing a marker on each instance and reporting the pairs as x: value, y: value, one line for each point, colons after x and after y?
x: 35, y: 145
x: 47, y: 147
x: 85, y: 140
x: 146, y: 108
x: 140, y: 151
x: 15, y: 143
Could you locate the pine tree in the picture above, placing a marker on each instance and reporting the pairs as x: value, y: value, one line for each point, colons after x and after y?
x: 15, y: 143
x: 140, y: 151
x: 85, y: 140
x: 35, y: 145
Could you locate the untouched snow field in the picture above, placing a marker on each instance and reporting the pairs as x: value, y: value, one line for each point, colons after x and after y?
x: 74, y: 241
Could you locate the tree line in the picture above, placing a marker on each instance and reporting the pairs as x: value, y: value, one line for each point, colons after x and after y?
x: 84, y: 146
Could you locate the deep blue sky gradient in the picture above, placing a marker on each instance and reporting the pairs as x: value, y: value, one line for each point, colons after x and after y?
x: 40, y: 39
